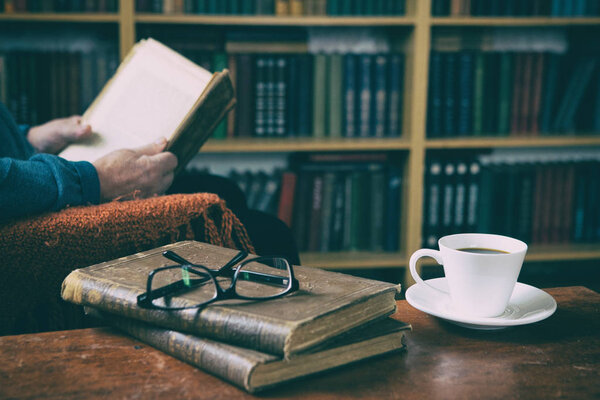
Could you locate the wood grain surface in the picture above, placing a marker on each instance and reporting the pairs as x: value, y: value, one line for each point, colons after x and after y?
x: 555, y: 358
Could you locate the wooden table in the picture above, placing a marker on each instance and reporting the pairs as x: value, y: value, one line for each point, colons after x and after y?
x: 555, y: 358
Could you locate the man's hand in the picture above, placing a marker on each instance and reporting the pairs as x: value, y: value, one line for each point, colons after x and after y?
x: 139, y: 173
x: 55, y: 135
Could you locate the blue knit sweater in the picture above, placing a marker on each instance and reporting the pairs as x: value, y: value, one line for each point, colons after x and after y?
x: 33, y: 183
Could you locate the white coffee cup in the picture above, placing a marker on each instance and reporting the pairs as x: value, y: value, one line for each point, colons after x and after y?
x: 480, y: 285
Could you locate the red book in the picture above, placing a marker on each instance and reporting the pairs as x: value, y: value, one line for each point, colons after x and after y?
x: 285, y: 210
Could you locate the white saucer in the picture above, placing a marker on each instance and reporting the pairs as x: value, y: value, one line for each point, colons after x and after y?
x: 526, y: 305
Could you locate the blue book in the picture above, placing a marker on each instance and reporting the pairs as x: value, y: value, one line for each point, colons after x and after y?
x: 465, y: 93
x: 549, y: 92
x: 434, y: 114
x: 556, y: 8
x: 395, y: 95
x: 349, y: 98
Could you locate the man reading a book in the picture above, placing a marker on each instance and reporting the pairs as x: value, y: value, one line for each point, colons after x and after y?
x: 33, y: 180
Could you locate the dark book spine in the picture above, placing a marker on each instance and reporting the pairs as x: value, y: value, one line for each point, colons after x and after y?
x: 246, y: 86
x: 305, y: 85
x: 473, y: 193
x: 365, y: 109
x: 381, y: 98
x: 260, y: 101
x: 505, y: 92
x: 350, y: 95
x: 449, y: 96
x: 434, y: 120
x: 287, y: 192
x: 395, y: 95
x: 337, y: 218
x: 448, y: 199
x: 491, y: 94
x: 465, y: 93
x: 326, y: 212
x: 393, y: 207
x: 281, y: 90
x: 478, y: 93
x: 270, y: 96
x: 526, y: 190
x: 377, y: 208
x: 433, y: 196
x: 292, y: 104
x: 460, y: 198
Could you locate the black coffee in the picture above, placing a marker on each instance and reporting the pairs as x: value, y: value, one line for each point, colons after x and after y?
x: 481, y: 250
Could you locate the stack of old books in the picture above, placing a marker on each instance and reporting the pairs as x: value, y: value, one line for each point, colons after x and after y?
x: 332, y: 319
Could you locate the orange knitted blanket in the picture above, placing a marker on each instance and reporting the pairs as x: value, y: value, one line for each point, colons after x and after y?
x: 38, y: 253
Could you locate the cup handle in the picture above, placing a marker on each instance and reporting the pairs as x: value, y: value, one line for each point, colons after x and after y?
x: 435, y: 254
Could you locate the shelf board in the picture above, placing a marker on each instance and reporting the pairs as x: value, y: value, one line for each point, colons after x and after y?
x: 513, y: 21
x: 537, y: 141
x: 61, y: 17
x: 268, y: 20
x: 253, y: 145
x: 353, y: 260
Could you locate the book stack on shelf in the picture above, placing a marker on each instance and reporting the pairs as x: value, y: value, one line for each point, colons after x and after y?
x: 59, y: 6
x: 540, y: 197
x: 331, y: 320
x: 515, y: 8
x: 274, y: 7
x: 487, y: 89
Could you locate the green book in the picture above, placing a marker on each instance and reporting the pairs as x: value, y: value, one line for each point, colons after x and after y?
x: 320, y: 95
x: 219, y: 64
x: 478, y: 93
x: 505, y: 93
x: 335, y: 95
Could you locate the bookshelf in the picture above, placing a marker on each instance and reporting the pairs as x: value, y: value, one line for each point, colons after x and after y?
x: 417, y: 28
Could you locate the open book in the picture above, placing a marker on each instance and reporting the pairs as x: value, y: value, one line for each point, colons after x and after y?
x: 156, y: 92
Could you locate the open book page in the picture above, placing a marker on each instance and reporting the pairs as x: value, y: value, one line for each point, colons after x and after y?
x: 148, y: 98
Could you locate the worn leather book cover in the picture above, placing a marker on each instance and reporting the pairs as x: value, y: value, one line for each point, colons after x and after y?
x: 326, y: 304
x: 155, y: 93
x: 253, y: 370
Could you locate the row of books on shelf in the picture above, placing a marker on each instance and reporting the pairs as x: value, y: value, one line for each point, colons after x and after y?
x: 504, y: 93
x: 321, y: 95
x: 13, y: 6
x: 39, y: 85
x: 332, y: 202
x: 515, y: 8
x: 274, y: 7
x: 540, y: 198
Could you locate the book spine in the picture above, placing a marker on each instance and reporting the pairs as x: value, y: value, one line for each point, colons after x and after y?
x: 350, y: 97
x: 320, y: 95
x: 478, y: 93
x: 536, y: 95
x: 292, y: 104
x: 337, y: 218
x: 260, y: 106
x: 335, y: 76
x: 549, y: 92
x: 465, y: 94
x: 316, y: 211
x: 377, y: 207
x: 365, y: 96
x: 305, y: 95
x: 433, y: 196
x: 491, y: 93
x: 450, y: 90
x: 395, y: 95
x: 460, y: 198
x: 473, y: 193
x: 448, y: 197
x: 380, y: 89
x: 326, y: 211
x: 525, y: 102
x: 516, y: 94
x: 434, y: 120
x: 281, y: 90
x: 393, y: 207
x: 525, y: 209
x: 505, y: 93
x: 219, y: 63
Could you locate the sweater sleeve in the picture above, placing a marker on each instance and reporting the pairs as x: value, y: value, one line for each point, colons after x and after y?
x: 45, y: 183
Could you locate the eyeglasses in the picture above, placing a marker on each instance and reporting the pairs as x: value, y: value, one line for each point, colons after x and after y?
x: 173, y: 287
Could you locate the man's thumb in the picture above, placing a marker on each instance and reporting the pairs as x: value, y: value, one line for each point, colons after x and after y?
x: 153, y: 148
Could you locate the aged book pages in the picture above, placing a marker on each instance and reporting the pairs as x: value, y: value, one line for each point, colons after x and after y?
x: 156, y: 92
x: 252, y: 370
x: 326, y: 304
